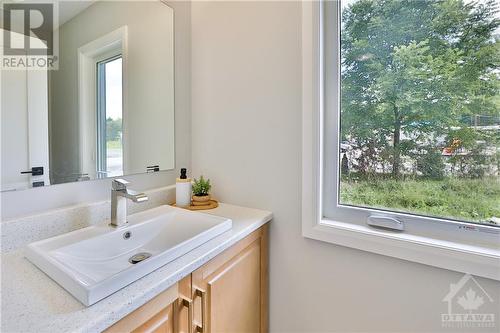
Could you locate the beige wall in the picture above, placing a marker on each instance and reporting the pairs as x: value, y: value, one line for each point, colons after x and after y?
x: 246, y: 136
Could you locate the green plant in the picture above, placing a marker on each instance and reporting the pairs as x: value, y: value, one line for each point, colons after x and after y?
x: 440, y: 69
x: 201, y: 187
x: 458, y: 198
x: 431, y: 165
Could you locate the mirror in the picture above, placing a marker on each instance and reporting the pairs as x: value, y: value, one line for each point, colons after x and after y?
x: 105, y: 109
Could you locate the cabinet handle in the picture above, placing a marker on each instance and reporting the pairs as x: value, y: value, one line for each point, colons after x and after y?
x: 189, y: 305
x: 203, y: 294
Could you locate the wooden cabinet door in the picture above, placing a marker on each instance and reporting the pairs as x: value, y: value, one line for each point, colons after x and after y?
x: 230, y: 291
x: 168, y: 312
x: 153, y: 317
x: 183, y: 307
x: 226, y: 295
x: 162, y: 322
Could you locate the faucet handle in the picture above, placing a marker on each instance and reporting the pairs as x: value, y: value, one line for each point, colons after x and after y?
x: 119, y: 184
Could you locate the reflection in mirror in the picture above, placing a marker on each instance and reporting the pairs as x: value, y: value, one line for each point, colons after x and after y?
x: 109, y: 116
x: 107, y: 109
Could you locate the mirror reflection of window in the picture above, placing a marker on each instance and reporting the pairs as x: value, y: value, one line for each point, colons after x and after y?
x: 70, y: 120
x: 109, y: 117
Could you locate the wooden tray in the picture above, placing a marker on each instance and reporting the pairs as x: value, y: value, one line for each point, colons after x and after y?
x: 212, y: 204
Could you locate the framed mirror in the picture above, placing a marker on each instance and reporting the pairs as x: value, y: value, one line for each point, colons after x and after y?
x: 105, y: 110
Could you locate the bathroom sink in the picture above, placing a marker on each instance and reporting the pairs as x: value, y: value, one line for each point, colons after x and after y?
x: 94, y: 262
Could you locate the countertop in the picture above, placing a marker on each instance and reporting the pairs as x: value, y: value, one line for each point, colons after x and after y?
x: 32, y: 302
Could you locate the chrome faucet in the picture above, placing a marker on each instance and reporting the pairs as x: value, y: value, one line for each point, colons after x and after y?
x: 119, y: 196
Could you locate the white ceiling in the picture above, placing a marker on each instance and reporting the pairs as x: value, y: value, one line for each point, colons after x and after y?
x: 69, y: 9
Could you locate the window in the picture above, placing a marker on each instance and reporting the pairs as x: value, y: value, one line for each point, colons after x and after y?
x: 109, y: 117
x: 405, y: 130
x: 420, y: 114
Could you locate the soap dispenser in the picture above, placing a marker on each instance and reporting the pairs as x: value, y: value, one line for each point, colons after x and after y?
x: 183, y: 190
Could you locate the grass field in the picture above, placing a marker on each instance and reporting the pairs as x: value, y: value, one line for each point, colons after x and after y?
x: 465, y: 199
x: 114, y: 144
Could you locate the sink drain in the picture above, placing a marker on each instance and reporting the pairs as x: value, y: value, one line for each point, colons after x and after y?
x: 139, y: 257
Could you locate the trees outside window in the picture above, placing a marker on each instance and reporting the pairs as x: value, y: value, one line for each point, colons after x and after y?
x: 420, y: 110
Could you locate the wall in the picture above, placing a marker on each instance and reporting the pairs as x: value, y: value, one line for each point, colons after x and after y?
x: 20, y: 203
x: 148, y: 112
x: 246, y: 136
x: 24, y: 126
x: 14, y: 129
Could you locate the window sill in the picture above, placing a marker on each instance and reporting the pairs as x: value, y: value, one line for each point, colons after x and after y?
x: 474, y: 260
x: 446, y: 254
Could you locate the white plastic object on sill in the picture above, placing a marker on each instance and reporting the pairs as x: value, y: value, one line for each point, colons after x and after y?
x: 452, y: 245
x: 385, y: 222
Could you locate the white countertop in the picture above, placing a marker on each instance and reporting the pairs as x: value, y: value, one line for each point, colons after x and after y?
x: 32, y: 302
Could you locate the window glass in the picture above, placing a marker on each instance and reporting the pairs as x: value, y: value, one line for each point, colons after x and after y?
x: 110, y: 127
x: 420, y: 110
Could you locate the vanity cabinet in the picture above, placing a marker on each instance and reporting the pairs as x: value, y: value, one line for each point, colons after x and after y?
x: 155, y: 316
x: 230, y: 291
x: 227, y: 294
x: 161, y: 322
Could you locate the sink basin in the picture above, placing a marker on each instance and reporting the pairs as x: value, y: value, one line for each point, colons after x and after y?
x: 94, y: 262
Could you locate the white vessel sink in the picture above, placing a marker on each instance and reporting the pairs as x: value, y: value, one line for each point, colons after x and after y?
x: 94, y: 262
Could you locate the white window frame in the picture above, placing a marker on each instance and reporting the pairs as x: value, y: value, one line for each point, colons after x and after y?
x: 115, y: 42
x: 101, y: 149
x: 458, y: 246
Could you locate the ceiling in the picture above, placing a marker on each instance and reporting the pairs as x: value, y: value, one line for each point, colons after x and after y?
x: 67, y: 9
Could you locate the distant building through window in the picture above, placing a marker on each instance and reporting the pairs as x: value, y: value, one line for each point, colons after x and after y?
x: 420, y: 111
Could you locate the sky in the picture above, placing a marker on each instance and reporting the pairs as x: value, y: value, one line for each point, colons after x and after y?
x: 114, y: 89
x: 345, y: 3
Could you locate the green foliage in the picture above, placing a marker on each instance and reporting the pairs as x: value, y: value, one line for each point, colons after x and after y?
x: 431, y: 165
x: 412, y: 69
x: 465, y: 199
x: 116, y: 144
x: 476, y: 144
x: 201, y: 187
x: 113, y: 129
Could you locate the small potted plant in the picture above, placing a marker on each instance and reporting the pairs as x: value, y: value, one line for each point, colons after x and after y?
x: 201, y: 191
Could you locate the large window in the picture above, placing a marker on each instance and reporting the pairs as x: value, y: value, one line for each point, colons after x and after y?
x: 109, y: 117
x: 401, y: 129
x: 420, y: 111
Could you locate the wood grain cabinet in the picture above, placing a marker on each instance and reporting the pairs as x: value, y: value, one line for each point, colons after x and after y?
x: 162, y: 322
x: 226, y: 295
